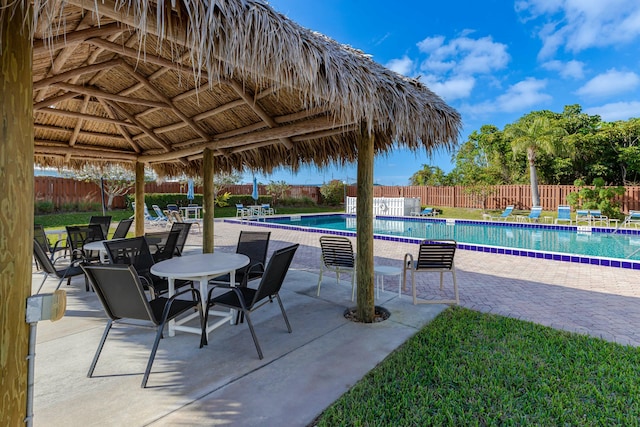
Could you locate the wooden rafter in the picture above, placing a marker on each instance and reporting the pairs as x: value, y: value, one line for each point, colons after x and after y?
x: 149, y: 132
x: 109, y: 96
x: 74, y: 38
x: 123, y: 131
x: 248, y: 98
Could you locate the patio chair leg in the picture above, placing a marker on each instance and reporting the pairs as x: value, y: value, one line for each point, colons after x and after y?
x: 319, y: 282
x: 286, y: 320
x: 99, y: 350
x: 44, y: 279
x: 152, y: 356
x: 253, y: 335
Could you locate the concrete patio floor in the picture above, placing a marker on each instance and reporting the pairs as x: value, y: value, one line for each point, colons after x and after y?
x: 304, y: 372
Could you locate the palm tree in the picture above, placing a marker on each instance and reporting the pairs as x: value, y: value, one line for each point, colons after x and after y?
x: 535, y: 135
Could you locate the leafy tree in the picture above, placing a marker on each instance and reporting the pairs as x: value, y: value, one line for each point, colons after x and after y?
x: 278, y: 190
x: 535, y: 133
x: 220, y: 183
x: 118, y: 181
x: 429, y: 175
x: 333, y: 192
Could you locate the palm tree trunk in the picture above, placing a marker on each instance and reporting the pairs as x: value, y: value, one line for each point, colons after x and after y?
x: 533, y: 177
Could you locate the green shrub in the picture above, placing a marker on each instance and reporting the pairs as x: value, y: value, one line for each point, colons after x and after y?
x: 333, y: 192
x: 598, y: 197
x: 43, y: 207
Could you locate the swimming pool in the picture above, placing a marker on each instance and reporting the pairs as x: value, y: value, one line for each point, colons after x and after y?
x: 587, y: 245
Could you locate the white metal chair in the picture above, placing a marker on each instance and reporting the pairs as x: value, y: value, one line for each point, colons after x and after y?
x: 434, y: 256
x: 337, y: 256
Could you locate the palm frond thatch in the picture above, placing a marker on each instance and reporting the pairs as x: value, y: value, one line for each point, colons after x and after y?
x: 159, y: 81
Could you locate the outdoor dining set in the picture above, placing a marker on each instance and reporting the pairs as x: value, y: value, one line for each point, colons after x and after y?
x: 148, y: 278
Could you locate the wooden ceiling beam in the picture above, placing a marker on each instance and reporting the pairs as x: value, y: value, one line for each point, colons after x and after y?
x: 76, y: 72
x: 136, y: 55
x: 72, y: 38
x: 294, y: 129
x: 76, y: 129
x: 190, y: 123
x: 140, y: 126
x: 249, y: 99
x: 88, y: 117
x: 50, y: 102
x: 50, y: 128
x: 44, y: 147
x: 123, y: 131
x: 109, y: 96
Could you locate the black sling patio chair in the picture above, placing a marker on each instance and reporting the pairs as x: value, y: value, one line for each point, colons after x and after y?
x: 433, y: 256
x: 135, y: 251
x: 246, y: 299
x: 48, y: 267
x: 123, y: 298
x: 52, y: 250
x: 78, y: 236
x: 104, y: 221
x: 122, y: 229
x: 255, y: 245
x: 183, y: 228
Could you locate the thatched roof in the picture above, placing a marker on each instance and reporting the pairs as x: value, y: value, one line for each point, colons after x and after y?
x: 116, y: 82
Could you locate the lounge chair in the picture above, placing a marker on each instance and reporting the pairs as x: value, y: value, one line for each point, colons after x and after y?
x: 428, y: 212
x: 595, y: 215
x: 534, y: 215
x: 582, y: 215
x: 161, y: 217
x: 633, y: 218
x: 504, y: 215
x: 564, y: 214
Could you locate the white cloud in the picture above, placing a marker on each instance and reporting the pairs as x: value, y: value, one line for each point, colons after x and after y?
x: 454, y: 88
x: 580, y: 24
x: 571, y: 69
x: 463, y: 55
x: 525, y: 95
x: 612, y: 82
x: 402, y: 66
x: 616, y: 111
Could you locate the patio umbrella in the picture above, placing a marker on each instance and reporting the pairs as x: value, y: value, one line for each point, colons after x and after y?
x: 254, y: 193
x: 190, y: 194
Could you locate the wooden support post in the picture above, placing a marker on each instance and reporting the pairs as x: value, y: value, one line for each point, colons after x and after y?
x: 364, y: 228
x: 16, y: 201
x: 208, y: 166
x: 139, y: 212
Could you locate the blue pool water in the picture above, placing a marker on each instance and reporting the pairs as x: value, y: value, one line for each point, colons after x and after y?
x: 565, y: 243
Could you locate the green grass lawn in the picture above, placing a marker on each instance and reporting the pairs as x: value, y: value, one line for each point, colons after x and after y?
x: 471, y: 369
x: 59, y: 220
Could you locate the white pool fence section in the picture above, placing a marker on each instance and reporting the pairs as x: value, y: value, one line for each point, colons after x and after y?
x: 388, y: 206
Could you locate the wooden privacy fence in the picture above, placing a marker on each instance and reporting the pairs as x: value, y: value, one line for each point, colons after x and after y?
x: 63, y: 190
x: 500, y: 196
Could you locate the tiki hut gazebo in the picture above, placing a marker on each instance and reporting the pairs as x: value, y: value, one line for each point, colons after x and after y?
x: 187, y: 88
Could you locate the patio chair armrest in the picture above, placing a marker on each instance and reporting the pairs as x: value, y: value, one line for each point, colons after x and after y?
x: 253, y: 266
x: 408, y: 261
x: 195, y: 294
x: 234, y: 289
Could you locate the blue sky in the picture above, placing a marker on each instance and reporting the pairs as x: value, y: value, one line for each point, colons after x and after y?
x: 492, y: 60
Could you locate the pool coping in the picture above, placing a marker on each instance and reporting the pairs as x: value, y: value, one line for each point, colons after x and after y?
x: 554, y: 256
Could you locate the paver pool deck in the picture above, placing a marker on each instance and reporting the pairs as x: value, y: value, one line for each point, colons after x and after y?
x: 303, y: 372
